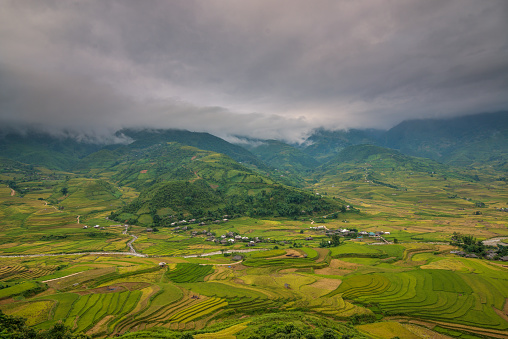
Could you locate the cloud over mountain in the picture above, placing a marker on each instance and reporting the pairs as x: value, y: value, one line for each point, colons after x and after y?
x: 258, y: 68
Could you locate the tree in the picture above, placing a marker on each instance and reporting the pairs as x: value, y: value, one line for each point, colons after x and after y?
x: 64, y: 190
x: 328, y: 334
x: 395, y: 241
x: 15, y: 328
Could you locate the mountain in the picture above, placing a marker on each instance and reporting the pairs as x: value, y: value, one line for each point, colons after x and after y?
x: 41, y: 149
x: 282, y: 156
x: 477, y: 139
x: 179, y: 181
x: 323, y: 145
x: 67, y: 153
x: 385, y: 167
x: 204, y: 141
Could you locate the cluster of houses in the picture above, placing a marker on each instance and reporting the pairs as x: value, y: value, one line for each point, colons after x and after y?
x: 96, y: 226
x: 184, y: 222
x: 345, y: 232
x: 192, y: 221
x: 228, y: 238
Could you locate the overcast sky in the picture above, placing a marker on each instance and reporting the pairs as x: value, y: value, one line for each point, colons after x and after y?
x: 268, y: 69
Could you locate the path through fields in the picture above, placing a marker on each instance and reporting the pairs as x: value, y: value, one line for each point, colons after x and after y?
x: 70, y: 275
x: 134, y: 238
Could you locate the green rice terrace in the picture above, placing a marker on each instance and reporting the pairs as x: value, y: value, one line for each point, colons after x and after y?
x: 372, y: 250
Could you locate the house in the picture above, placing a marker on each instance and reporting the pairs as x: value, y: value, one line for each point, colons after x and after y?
x: 471, y: 255
x: 96, y: 226
x: 162, y: 264
x: 149, y: 229
x: 237, y: 258
x: 251, y: 243
x: 309, y: 238
x: 490, y: 256
x: 505, y: 258
x: 85, y: 227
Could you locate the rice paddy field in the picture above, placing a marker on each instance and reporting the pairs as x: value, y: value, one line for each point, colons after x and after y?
x: 364, y: 288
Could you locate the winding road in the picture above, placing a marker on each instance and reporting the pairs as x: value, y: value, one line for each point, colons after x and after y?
x: 134, y: 238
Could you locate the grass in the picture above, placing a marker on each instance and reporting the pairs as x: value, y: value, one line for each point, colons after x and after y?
x: 17, y: 289
x: 189, y: 273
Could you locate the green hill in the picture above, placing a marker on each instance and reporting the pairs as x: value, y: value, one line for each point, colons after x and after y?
x: 477, y: 139
x: 204, y: 141
x: 180, y: 181
x: 323, y: 145
x: 284, y: 157
x: 385, y: 167
x: 41, y: 149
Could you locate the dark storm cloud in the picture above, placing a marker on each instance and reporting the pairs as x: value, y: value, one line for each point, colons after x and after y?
x: 259, y: 68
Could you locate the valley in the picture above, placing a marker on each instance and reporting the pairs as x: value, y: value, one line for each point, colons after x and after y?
x: 181, y: 235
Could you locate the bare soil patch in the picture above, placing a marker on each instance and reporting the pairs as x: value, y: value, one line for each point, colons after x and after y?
x: 332, y: 271
x: 290, y: 253
x: 327, y: 284
x: 323, y: 252
x: 98, y: 327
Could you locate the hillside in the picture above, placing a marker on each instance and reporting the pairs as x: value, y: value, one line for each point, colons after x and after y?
x: 180, y: 181
x: 204, y: 141
x: 323, y: 144
x: 282, y: 156
x: 477, y: 139
x: 41, y: 149
x: 386, y: 167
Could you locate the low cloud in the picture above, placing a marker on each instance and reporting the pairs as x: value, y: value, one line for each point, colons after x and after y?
x: 255, y: 68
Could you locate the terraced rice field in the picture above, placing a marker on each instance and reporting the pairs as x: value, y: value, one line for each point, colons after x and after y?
x: 189, y: 273
x: 432, y: 294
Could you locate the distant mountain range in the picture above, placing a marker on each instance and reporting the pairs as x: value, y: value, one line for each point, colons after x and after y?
x: 181, y: 173
x: 476, y: 140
